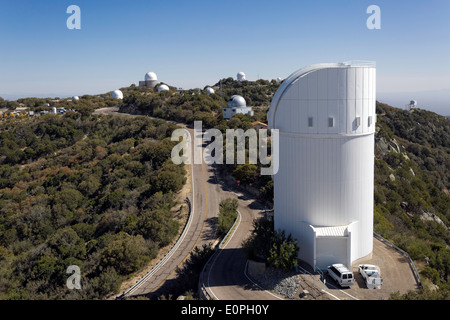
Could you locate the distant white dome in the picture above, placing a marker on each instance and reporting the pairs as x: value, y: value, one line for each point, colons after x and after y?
x: 209, y: 90
x: 75, y: 98
x: 241, y: 76
x: 279, y: 79
x: 117, y: 94
x: 237, y: 101
x: 150, y: 76
x: 163, y: 87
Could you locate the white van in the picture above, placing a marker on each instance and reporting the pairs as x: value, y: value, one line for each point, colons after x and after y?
x: 341, y: 274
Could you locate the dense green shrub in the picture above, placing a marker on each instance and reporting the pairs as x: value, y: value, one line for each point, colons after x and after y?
x: 227, y: 215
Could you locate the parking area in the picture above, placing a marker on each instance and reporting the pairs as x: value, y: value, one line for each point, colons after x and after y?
x: 395, y: 268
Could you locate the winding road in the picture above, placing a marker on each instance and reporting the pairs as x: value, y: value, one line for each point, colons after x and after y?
x: 227, y: 280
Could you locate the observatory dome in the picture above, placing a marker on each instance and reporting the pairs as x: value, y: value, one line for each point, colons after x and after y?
x: 209, y: 90
x: 241, y: 76
x: 150, y: 76
x: 237, y: 101
x: 117, y: 94
x: 163, y: 87
x: 75, y: 98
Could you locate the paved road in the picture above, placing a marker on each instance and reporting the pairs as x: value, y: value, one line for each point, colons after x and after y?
x: 199, y: 230
x: 225, y: 278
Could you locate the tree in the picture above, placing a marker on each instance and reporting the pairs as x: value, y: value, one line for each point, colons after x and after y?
x: 188, y: 274
x: 69, y: 197
x: 67, y: 244
x: 258, y: 245
x: 284, y: 251
x: 108, y: 282
x: 170, y: 178
x: 158, y: 225
x: 126, y: 254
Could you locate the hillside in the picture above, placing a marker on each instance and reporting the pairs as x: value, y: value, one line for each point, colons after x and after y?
x: 90, y: 191
x: 195, y: 105
x: 412, y: 203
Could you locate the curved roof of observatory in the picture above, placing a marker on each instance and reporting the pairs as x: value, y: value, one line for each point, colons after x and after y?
x: 150, y: 76
x: 326, y: 98
x: 237, y: 101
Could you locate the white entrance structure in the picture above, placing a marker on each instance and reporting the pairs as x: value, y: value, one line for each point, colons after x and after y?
x: 323, y: 190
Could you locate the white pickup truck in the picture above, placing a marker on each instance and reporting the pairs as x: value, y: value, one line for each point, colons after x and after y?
x: 371, y: 275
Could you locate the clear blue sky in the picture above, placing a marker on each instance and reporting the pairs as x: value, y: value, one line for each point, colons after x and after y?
x: 194, y: 43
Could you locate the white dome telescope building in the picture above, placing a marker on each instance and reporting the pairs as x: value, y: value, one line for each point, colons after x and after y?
x: 236, y: 105
x: 163, y: 87
x: 151, y: 80
x: 240, y: 76
x: 323, y: 190
x: 117, y: 94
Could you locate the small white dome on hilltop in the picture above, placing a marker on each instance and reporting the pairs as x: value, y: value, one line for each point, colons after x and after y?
x: 237, y: 101
x: 209, y: 90
x: 117, y: 94
x: 241, y: 76
x: 163, y: 87
x: 75, y: 98
x: 150, y: 76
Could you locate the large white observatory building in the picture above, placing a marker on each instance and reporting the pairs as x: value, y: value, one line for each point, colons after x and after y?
x: 323, y: 190
x: 151, y: 80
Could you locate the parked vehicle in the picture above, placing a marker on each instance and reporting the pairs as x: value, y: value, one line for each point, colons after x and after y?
x: 341, y: 274
x: 371, y: 275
